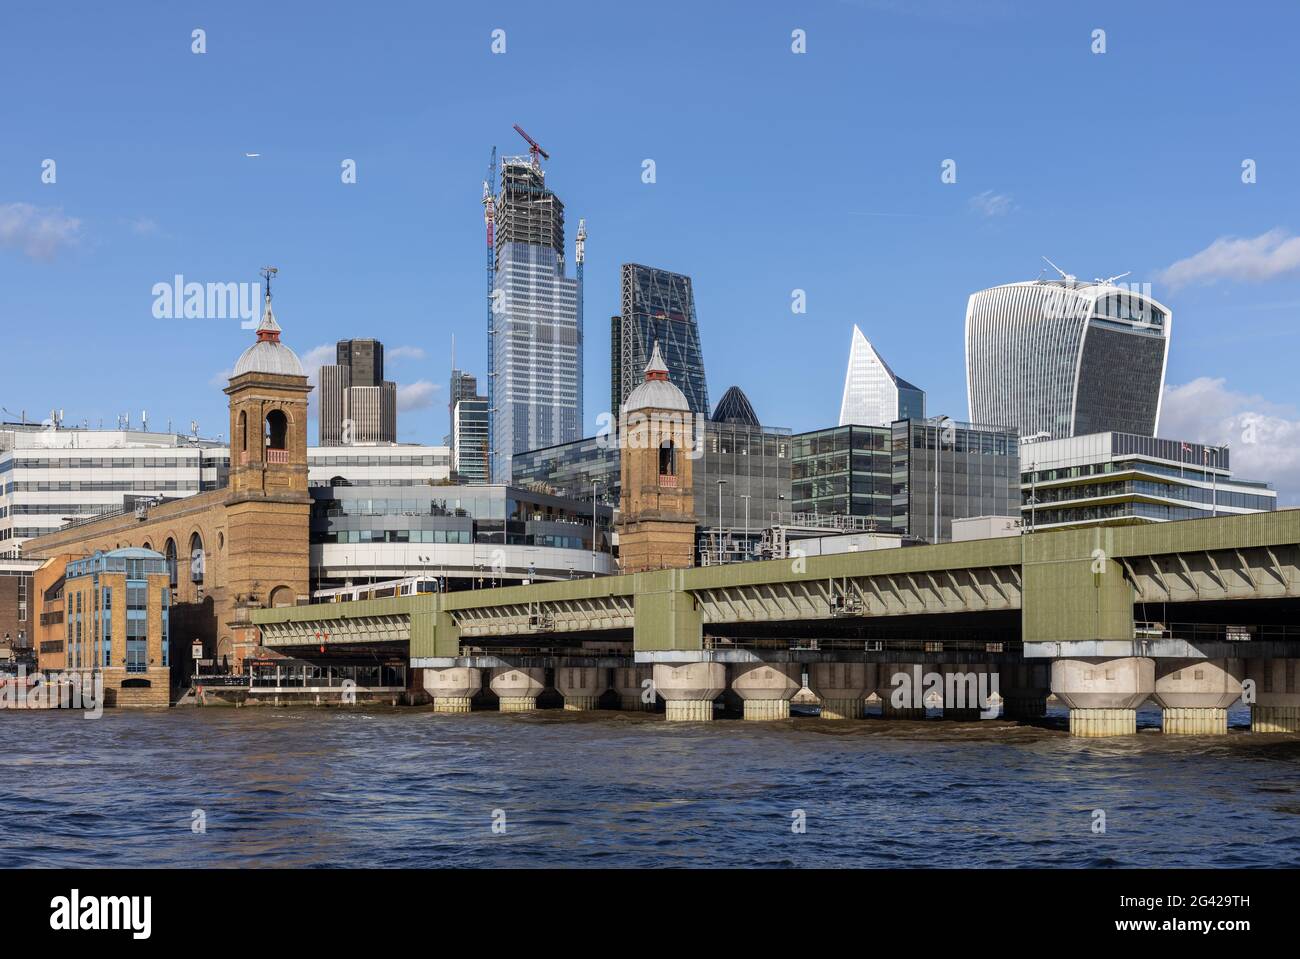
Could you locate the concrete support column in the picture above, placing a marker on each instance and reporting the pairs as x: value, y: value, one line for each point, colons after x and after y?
x: 899, y: 700
x: 580, y: 686
x: 1024, y: 688
x: 452, y: 687
x: 842, y: 688
x: 633, y: 694
x: 1103, y: 694
x: 766, y: 688
x: 1276, y: 693
x: 517, y: 687
x: 1195, y: 694
x: 688, y: 690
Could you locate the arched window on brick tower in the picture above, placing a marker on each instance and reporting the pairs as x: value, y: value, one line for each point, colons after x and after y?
x: 667, y: 460
x: 277, y: 437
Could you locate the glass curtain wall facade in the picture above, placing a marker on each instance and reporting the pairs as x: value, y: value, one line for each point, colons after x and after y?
x: 536, y: 332
x: 977, y: 469
x: 846, y: 471
x: 873, y: 394
x: 1062, y: 358
x: 538, y: 386
x: 659, y: 306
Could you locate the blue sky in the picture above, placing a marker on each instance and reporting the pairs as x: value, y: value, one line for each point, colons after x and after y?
x: 775, y: 171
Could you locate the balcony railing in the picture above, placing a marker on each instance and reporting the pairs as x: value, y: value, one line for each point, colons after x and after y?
x: 667, y: 479
x: 277, y: 456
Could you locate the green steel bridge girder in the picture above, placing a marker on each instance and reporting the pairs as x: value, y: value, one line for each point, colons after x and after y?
x: 1069, y: 585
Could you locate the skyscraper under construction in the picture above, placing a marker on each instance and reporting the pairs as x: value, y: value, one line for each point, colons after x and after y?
x: 535, y: 325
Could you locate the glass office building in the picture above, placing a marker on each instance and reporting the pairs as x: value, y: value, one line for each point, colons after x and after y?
x: 845, y: 471
x: 874, y: 395
x: 535, y: 356
x: 571, y: 469
x: 1063, y: 358
x: 973, y: 469
x: 459, y: 533
x: 658, y: 307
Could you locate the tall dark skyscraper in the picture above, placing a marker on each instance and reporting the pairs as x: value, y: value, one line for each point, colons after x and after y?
x: 658, y: 306
x: 535, y: 354
x: 357, y: 405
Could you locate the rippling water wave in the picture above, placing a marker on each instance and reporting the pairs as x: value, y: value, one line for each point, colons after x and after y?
x: 380, y: 787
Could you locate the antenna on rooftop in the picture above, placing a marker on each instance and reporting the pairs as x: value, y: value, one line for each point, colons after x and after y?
x: 1111, y: 279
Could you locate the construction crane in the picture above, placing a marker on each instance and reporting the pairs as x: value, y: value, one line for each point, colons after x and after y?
x: 580, y: 257
x: 534, y: 148
x: 489, y: 221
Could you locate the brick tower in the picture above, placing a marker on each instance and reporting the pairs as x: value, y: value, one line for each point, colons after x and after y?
x: 267, y: 504
x: 657, y: 523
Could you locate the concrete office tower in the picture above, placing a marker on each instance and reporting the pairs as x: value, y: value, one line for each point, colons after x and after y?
x: 1061, y: 358
x: 658, y: 307
x: 873, y: 394
x: 535, y: 355
x: 357, y: 404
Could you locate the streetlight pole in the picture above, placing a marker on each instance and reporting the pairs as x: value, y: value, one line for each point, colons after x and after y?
x: 938, y: 470
x: 746, y: 497
x: 721, y: 483
x: 593, y: 529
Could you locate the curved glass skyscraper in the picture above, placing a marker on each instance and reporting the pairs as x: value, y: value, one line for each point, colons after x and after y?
x: 1060, y: 358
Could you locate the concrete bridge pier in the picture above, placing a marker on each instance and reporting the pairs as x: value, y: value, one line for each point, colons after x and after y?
x: 899, y: 701
x: 688, y: 690
x: 581, y: 686
x: 766, y: 688
x: 452, y: 687
x: 1103, y: 694
x: 1195, y: 694
x: 842, y: 688
x: 517, y: 687
x: 632, y: 693
x: 1276, y: 708
x: 1024, y: 688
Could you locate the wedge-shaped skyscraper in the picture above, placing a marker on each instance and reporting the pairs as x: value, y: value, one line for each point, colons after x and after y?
x: 873, y: 394
x: 1061, y: 358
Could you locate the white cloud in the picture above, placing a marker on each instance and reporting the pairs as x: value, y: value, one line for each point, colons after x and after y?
x: 989, y: 203
x: 1264, y: 437
x: 315, y: 358
x: 404, y: 353
x: 39, y: 233
x: 416, y: 396
x: 1255, y: 258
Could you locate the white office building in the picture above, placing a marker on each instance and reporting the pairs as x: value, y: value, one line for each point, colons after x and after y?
x: 52, y: 476
x: 873, y: 394
x: 1062, y: 358
x: 1115, y: 479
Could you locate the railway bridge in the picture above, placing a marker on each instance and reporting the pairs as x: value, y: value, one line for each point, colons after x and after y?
x: 1194, y: 614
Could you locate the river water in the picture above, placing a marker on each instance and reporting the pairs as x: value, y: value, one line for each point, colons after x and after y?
x: 407, y: 787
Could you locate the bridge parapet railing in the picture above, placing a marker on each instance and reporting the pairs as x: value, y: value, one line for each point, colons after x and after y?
x: 1215, y: 632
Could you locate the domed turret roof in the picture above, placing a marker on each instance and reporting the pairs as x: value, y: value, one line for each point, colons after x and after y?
x: 268, y: 354
x: 657, y: 393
